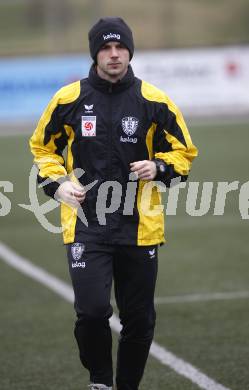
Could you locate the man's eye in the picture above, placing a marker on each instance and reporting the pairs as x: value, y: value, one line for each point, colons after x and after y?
x: 104, y: 47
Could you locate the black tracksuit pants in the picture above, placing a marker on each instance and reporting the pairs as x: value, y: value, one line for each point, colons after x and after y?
x: 134, y: 270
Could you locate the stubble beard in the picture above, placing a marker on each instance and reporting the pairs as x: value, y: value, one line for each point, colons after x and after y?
x: 113, y: 74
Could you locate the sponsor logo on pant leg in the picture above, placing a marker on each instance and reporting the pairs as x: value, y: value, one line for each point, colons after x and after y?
x: 152, y: 253
x: 79, y: 264
x: 77, y: 250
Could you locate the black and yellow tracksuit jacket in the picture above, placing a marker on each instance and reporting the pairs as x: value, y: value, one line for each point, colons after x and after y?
x: 105, y: 127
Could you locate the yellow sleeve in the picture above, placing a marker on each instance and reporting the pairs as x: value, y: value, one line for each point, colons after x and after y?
x: 172, y: 143
x: 51, y: 135
x: 181, y: 150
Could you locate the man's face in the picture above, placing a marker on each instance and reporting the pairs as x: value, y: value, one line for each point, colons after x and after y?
x: 112, y: 61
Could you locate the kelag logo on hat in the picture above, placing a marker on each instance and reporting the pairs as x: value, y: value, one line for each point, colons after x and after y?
x: 111, y: 35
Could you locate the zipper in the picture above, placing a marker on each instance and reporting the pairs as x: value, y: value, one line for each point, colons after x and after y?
x: 110, y: 88
x: 110, y: 134
x: 109, y: 146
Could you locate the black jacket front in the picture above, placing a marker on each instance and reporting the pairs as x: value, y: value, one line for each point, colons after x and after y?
x: 105, y: 127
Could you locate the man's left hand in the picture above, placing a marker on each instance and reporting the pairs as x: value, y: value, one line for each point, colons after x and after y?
x: 145, y: 170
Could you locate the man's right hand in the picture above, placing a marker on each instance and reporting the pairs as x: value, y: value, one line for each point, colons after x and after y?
x: 70, y: 193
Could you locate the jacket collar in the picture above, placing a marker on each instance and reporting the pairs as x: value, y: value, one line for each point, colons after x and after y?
x: 108, y: 87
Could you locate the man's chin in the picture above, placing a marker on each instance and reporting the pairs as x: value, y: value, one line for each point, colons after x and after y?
x: 114, y: 72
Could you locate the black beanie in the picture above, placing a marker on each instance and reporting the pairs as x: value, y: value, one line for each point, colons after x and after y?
x: 110, y: 29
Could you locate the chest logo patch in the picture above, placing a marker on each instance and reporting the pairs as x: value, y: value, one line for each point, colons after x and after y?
x: 129, y: 125
x: 88, y: 108
x: 88, y: 126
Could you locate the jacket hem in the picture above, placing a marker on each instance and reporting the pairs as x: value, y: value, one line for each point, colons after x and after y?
x: 120, y: 242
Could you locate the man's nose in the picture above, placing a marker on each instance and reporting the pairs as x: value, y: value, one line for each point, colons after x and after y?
x: 114, y: 52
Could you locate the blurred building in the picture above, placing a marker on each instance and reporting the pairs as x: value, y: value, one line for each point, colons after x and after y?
x: 61, y: 26
x: 44, y: 45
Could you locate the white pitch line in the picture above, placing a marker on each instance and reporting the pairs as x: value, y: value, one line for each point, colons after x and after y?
x: 27, y: 268
x: 65, y: 291
x: 217, y: 296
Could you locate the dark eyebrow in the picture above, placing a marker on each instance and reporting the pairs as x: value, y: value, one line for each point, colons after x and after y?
x: 120, y: 44
x: 107, y: 44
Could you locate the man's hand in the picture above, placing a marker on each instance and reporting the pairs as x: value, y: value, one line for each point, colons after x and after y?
x: 70, y: 193
x: 145, y: 170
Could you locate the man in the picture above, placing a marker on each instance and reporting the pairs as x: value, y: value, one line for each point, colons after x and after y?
x: 124, y: 134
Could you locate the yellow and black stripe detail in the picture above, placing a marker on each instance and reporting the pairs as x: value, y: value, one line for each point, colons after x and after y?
x: 151, y: 219
x: 182, y: 149
x: 69, y: 214
x: 49, y: 162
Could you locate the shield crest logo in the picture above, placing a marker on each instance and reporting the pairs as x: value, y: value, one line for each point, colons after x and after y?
x: 77, y: 250
x: 129, y: 125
